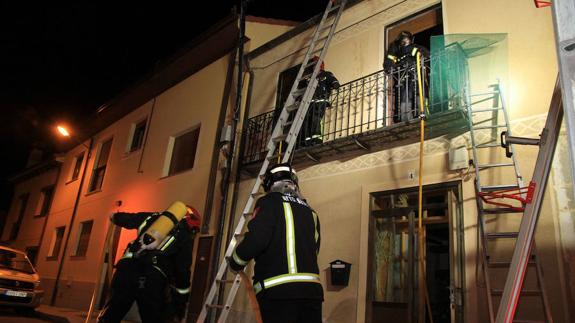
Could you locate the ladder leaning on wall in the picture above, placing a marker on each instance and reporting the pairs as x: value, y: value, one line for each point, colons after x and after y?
x: 296, y: 103
x: 501, y: 197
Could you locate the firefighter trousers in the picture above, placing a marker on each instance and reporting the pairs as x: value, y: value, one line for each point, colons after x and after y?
x: 143, y: 284
x: 290, y: 310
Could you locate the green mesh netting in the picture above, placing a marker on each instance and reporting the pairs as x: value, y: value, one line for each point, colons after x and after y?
x: 462, y: 64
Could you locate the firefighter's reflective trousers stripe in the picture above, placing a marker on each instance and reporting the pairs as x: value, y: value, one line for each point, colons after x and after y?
x: 287, y: 278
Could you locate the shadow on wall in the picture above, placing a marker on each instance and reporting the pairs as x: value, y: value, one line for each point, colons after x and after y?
x: 342, y: 311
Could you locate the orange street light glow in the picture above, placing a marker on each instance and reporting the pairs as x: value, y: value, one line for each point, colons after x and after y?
x: 63, y: 131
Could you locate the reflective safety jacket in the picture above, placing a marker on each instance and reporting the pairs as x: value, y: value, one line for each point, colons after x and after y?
x: 284, y: 239
x: 403, y: 56
x: 173, y: 258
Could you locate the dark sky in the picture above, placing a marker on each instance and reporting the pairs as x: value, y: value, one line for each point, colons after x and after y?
x: 60, y: 60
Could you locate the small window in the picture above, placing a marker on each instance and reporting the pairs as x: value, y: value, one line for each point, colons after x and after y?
x: 100, y: 167
x: 138, y: 136
x: 43, y: 206
x: 184, y: 151
x: 77, y: 167
x: 56, y: 243
x: 83, y: 238
x: 23, y: 201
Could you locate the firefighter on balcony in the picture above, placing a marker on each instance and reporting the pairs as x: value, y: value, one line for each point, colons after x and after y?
x: 400, y: 64
x: 284, y: 239
x: 155, y: 267
x: 311, y: 128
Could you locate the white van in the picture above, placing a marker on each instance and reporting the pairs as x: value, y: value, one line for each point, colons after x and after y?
x: 19, y: 282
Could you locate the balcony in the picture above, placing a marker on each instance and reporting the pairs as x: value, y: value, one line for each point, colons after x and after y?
x: 370, y: 114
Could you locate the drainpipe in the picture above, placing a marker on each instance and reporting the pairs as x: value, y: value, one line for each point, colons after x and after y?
x: 241, y: 150
x: 217, y: 146
x: 226, y: 178
x: 70, y: 226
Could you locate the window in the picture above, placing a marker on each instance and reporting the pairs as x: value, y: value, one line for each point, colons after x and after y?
x: 285, y: 83
x: 23, y: 201
x: 77, y: 166
x: 138, y: 136
x: 83, y: 238
x: 184, y: 151
x: 45, y: 201
x: 56, y: 243
x: 100, y: 167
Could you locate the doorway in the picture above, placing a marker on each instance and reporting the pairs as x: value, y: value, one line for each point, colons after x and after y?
x: 394, y: 262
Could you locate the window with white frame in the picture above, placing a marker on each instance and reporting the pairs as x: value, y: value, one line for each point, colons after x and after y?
x: 137, y: 135
x: 100, y: 166
x: 77, y: 166
x: 44, y: 202
x: 84, y: 232
x: 56, y: 242
x: 182, y: 151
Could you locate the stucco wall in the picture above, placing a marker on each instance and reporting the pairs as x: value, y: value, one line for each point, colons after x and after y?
x: 137, y: 179
x: 339, y: 190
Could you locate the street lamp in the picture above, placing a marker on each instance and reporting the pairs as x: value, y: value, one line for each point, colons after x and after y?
x: 64, y: 132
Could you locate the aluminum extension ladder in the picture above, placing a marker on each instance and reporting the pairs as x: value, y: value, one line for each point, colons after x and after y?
x: 501, y: 202
x: 297, y: 102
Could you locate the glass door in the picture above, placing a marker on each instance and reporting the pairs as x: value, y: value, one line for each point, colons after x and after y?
x: 394, y: 262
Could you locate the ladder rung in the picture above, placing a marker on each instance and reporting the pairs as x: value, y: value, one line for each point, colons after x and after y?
x: 501, y: 210
x: 488, y: 145
x: 225, y: 281
x: 294, y: 106
x: 490, y: 127
x: 334, y: 8
x: 484, y: 93
x: 489, y: 188
x: 254, y: 195
x: 279, y: 138
x: 501, y: 235
x: 529, y: 292
x: 298, y: 92
x: 504, y: 264
x: 237, y: 235
x: 485, y: 110
x: 322, y: 38
x: 495, y: 165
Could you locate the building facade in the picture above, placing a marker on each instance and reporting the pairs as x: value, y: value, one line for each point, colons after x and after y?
x: 358, y: 181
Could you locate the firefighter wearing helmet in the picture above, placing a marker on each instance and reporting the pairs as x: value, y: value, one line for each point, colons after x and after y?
x: 400, y: 65
x: 284, y: 240
x: 155, y: 268
x: 311, y: 132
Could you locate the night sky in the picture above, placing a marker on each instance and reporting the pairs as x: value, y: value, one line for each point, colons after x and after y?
x: 60, y: 61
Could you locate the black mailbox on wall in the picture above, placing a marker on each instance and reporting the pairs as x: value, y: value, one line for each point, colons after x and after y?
x: 339, y: 270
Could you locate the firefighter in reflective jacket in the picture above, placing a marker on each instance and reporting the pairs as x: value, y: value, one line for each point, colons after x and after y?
x: 311, y: 128
x: 155, y: 267
x: 400, y: 63
x: 284, y: 240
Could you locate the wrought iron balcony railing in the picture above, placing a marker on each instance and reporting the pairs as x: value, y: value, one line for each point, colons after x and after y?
x: 359, y: 108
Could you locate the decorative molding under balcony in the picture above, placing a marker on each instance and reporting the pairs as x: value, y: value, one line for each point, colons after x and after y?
x: 527, y: 127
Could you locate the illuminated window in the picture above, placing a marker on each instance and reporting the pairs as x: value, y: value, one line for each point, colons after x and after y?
x: 56, y: 242
x: 100, y: 167
x: 183, y: 151
x: 84, y: 232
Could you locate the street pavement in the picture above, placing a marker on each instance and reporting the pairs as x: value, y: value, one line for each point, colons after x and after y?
x: 45, y: 314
